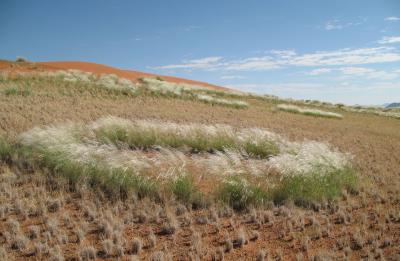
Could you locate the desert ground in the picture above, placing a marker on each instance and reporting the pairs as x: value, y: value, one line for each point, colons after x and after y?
x: 44, y: 217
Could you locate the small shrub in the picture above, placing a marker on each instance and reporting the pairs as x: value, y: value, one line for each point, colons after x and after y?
x: 21, y: 59
x: 40, y: 249
x: 53, y: 205
x: 135, y: 246
x: 228, y: 245
x: 33, y: 232
x: 13, y: 226
x: 3, y: 253
x: 218, y: 255
x: 158, y: 256
x: 240, y: 238
x: 152, y: 239
x: 87, y: 253
x: 169, y: 227
x: 261, y: 255
x: 19, y: 242
x: 107, y: 247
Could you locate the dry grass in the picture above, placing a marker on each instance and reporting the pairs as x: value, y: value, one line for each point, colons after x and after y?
x: 188, y: 91
x: 308, y: 111
x: 87, y: 218
x: 117, y: 230
x: 252, y: 165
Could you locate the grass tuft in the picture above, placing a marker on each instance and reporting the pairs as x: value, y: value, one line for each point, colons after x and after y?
x: 12, y: 91
x: 184, y: 190
x: 5, y: 150
x: 200, y: 138
x: 240, y: 194
x: 308, y: 111
x: 114, y: 181
x: 151, y: 158
x: 307, y: 189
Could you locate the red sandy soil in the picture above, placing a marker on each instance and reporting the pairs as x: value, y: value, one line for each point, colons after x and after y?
x: 96, y: 69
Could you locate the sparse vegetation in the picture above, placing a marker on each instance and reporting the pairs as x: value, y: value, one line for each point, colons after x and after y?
x: 218, y: 101
x: 112, y: 153
x: 5, y: 149
x: 184, y: 190
x: 240, y: 194
x: 144, y: 134
x: 21, y: 59
x: 12, y: 91
x: 188, y: 91
x: 308, y: 111
x: 165, y: 188
x: 314, y: 187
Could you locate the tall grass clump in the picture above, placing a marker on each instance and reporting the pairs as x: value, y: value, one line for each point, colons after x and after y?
x: 314, y: 187
x: 163, y: 87
x: 311, y: 172
x: 5, y: 149
x: 21, y: 59
x: 197, y: 137
x: 247, y: 166
x: 61, y: 151
x: 13, y: 91
x: 240, y: 194
x: 115, y: 181
x: 78, y: 78
x: 190, y: 91
x: 308, y: 111
x: 392, y: 113
x: 108, y: 81
x: 219, y: 101
x: 184, y: 189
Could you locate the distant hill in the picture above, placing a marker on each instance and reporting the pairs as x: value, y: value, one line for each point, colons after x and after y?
x: 392, y: 105
x: 96, y: 69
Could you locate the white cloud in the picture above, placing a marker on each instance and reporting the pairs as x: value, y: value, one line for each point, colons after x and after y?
x: 329, y: 58
x: 392, y: 18
x: 382, y: 75
x: 333, y: 25
x: 368, y: 73
x: 232, y: 77
x: 286, y: 58
x: 355, y: 70
x: 284, y: 53
x: 272, y: 88
x: 253, y: 64
x: 338, y: 25
x: 389, y: 40
x: 319, y: 71
x: 203, y: 63
x: 191, y: 28
x: 347, y: 57
x: 374, y: 93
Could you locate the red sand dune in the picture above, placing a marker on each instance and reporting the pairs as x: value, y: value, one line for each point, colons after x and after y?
x: 96, y: 69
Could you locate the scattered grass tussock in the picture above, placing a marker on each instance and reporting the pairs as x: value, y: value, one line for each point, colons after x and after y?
x: 151, y: 158
x: 189, y: 91
x: 308, y: 111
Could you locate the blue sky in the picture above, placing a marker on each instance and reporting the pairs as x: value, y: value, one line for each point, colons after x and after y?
x: 339, y: 51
